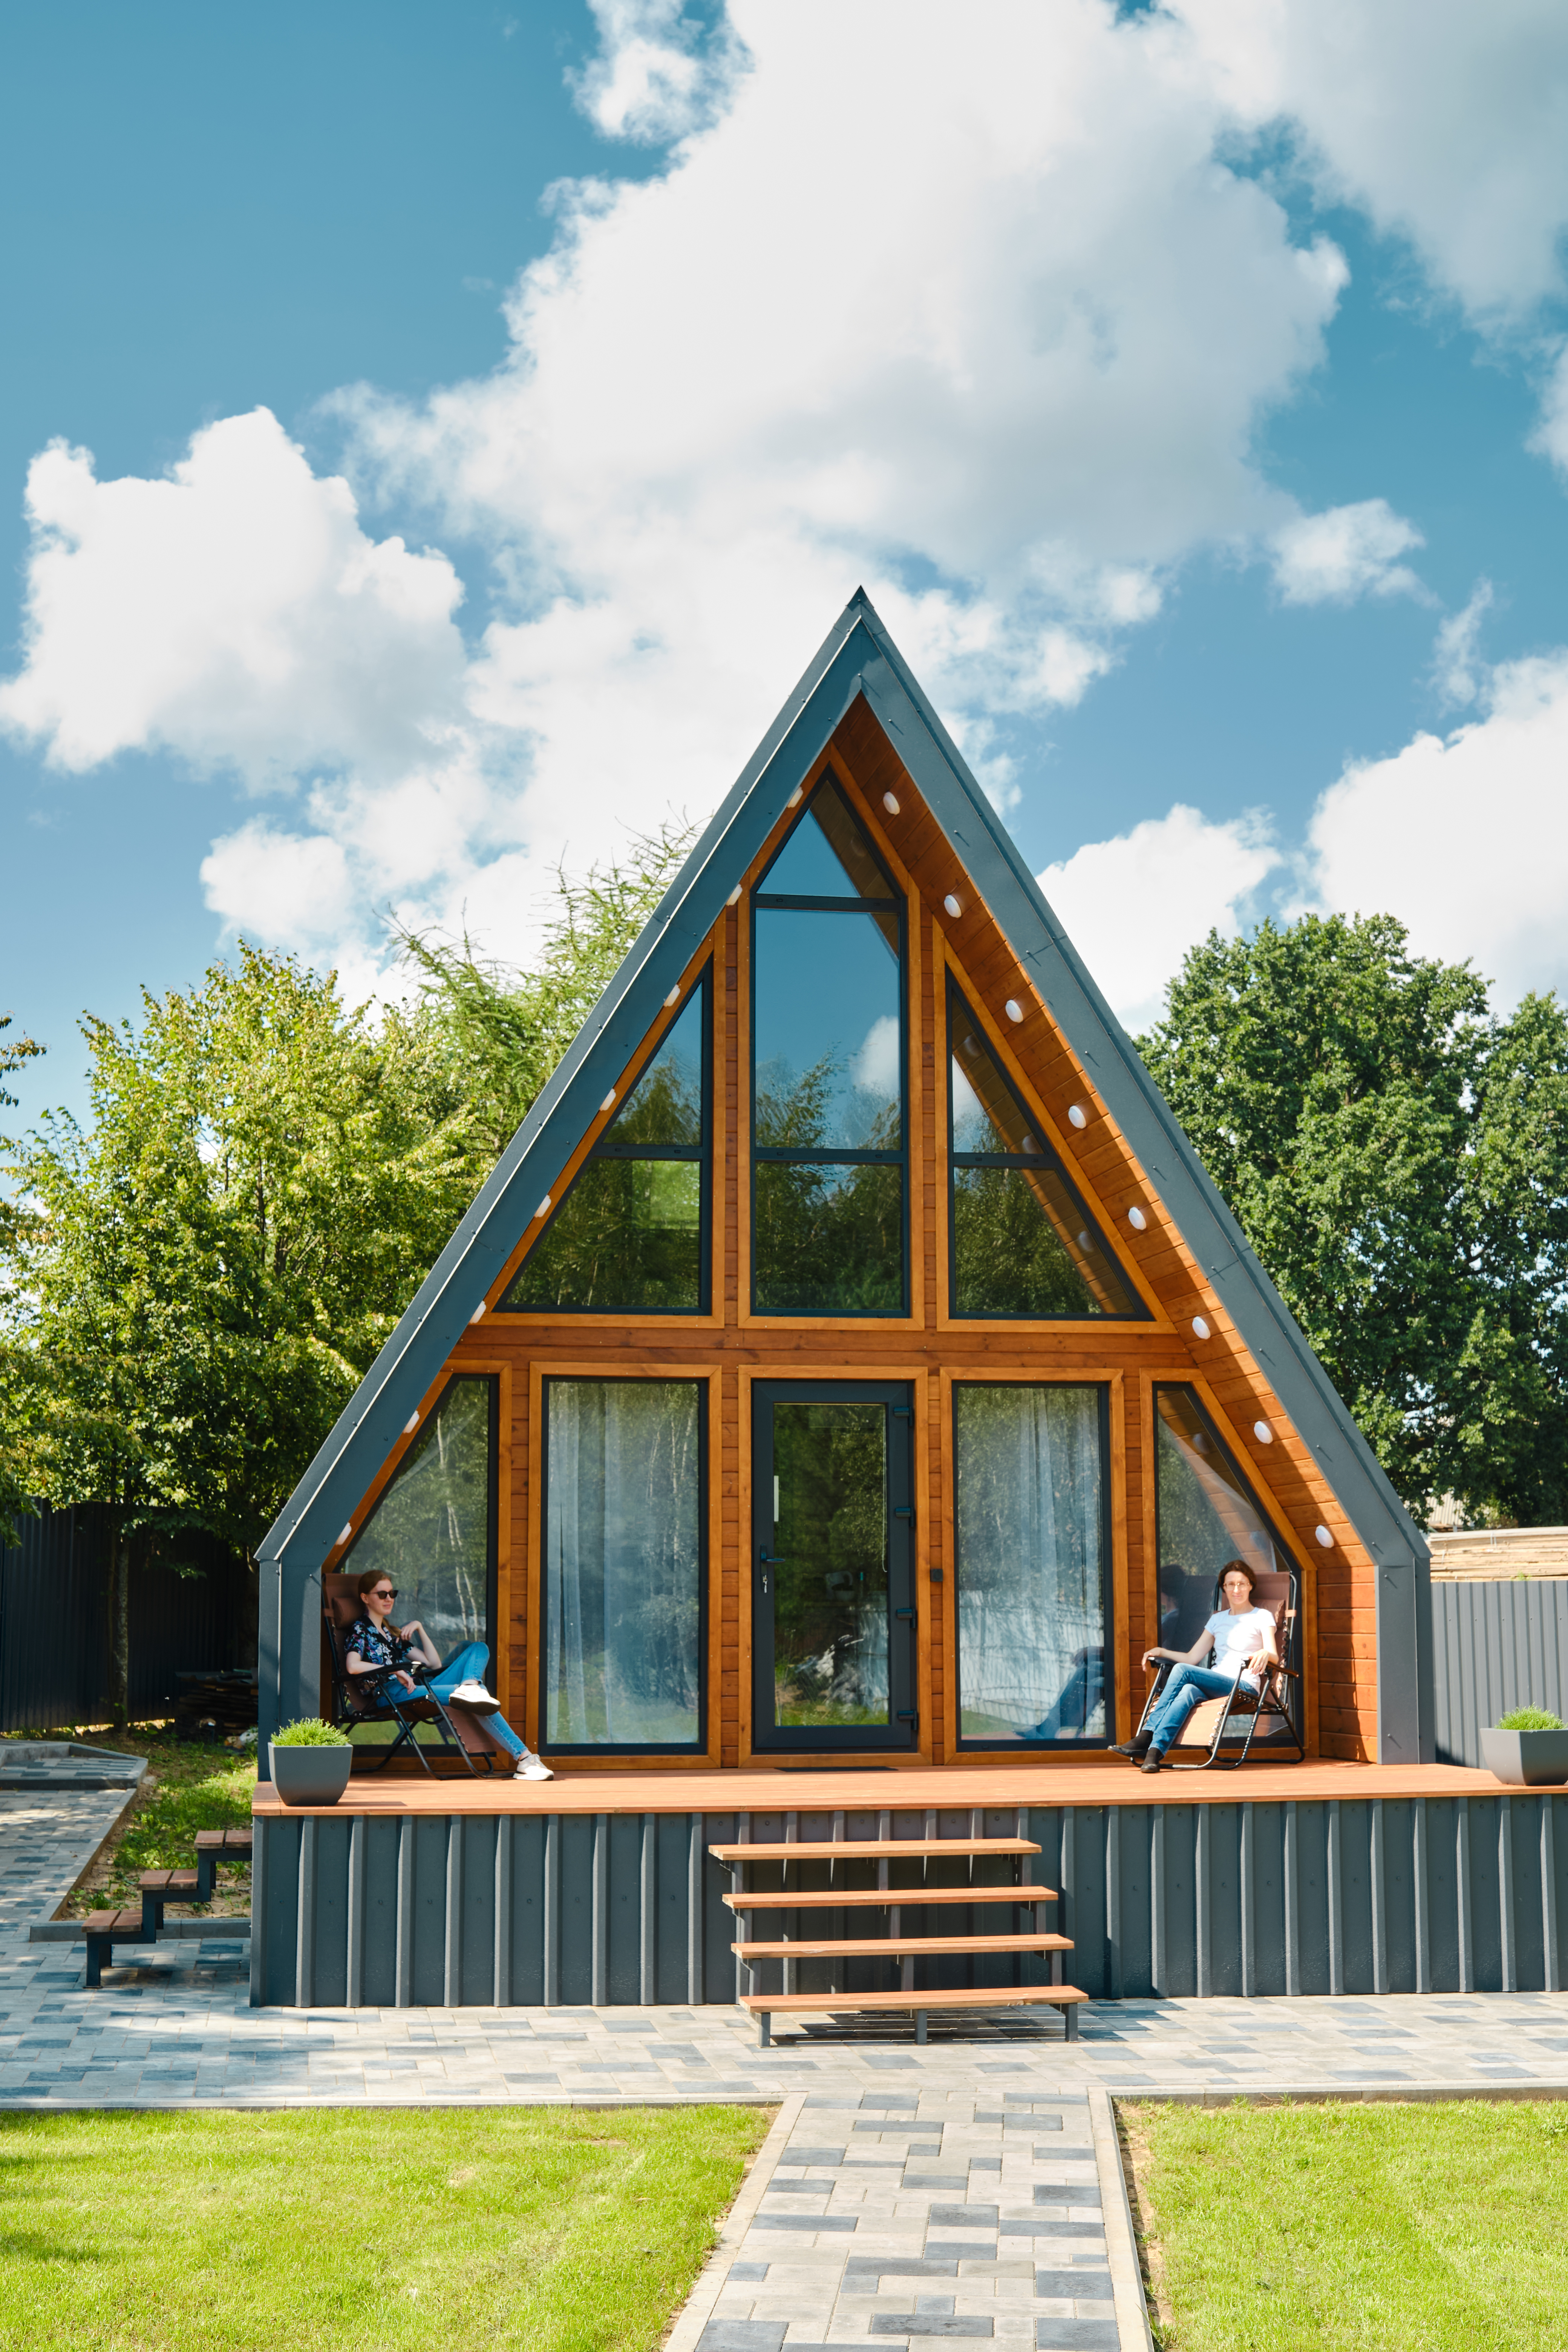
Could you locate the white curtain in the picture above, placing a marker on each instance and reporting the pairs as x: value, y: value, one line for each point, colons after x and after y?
x: 1029, y: 1518
x: 623, y: 1563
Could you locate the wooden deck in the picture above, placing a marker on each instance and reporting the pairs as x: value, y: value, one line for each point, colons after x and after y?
x: 948, y: 1789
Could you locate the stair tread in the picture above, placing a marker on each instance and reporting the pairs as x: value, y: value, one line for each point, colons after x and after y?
x: 166, y: 1882
x: 890, y: 1948
x: 981, y: 1996
x: 873, y: 1849
x: 102, y: 1923
x: 851, y: 1898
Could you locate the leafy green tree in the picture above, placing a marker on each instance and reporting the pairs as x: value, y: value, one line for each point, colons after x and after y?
x: 210, y: 1267
x: 16, y: 1466
x: 504, y: 1030
x: 1398, y: 1158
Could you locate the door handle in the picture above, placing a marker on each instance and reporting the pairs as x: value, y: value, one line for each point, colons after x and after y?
x: 903, y: 1510
x: 903, y: 1612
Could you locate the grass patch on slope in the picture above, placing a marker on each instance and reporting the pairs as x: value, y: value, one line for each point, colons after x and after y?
x: 503, y: 2230
x: 1356, y: 2227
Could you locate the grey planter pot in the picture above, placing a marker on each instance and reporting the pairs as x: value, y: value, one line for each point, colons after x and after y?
x: 310, y: 1776
x: 1538, y: 1759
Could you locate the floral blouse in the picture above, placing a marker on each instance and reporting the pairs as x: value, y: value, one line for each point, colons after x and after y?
x: 384, y: 1647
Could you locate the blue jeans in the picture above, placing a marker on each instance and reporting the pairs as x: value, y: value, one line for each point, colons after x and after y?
x: 468, y: 1664
x: 1187, y: 1688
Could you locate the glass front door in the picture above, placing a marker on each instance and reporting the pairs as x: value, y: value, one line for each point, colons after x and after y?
x: 833, y: 1589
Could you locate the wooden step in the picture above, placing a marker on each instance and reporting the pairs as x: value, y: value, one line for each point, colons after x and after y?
x: 852, y: 1899
x: 123, y: 1924
x: 174, y: 1885
x: 893, y: 1948
x: 236, y: 1843
x: 765, y: 2006
x: 873, y: 1850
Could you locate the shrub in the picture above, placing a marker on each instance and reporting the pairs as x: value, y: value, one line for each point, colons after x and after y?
x: 1529, y: 1719
x: 309, y: 1732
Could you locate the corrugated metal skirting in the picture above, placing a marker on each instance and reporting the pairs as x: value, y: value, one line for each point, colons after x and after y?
x: 1423, y: 1894
x: 1496, y: 1646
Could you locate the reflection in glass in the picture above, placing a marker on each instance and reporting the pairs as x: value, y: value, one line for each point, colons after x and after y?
x: 630, y: 1234
x: 1030, y: 1527
x: 622, y: 1542
x: 829, y: 1045
x: 1023, y: 1243
x: 827, y: 1237
x: 430, y: 1532
x: 1206, y: 1516
x: 827, y: 856
x: 830, y: 1564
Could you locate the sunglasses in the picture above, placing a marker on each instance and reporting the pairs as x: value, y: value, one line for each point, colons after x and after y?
x: 385, y: 1593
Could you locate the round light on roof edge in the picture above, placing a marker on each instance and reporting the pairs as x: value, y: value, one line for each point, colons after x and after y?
x: 954, y: 906
x: 1013, y: 1008
x: 1263, y: 1434
x: 1077, y: 1115
x: 891, y: 803
x: 411, y: 1424
x: 609, y: 1101
x: 1137, y: 1220
x: 542, y: 1206
x: 478, y: 1315
x: 734, y: 897
x: 673, y: 998
x: 1324, y: 1537
x: 346, y: 1533
x: 795, y: 797
x: 1200, y: 1327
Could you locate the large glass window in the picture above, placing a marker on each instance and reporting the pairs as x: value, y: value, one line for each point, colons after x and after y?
x: 1022, y: 1243
x: 623, y: 1543
x: 1207, y: 1515
x: 1031, y: 1538
x: 829, y: 1056
x: 631, y: 1235
x: 433, y: 1530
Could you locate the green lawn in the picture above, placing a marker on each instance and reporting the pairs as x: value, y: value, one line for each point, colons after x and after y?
x: 1418, y: 2228
x: 568, y: 2230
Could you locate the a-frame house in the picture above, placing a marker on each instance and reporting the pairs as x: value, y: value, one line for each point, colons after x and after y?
x: 849, y: 1357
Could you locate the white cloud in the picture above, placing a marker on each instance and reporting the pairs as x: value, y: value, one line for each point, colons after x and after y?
x: 1458, y: 671
x: 1132, y: 907
x: 1551, y: 434
x: 1344, y: 553
x: 234, y: 613
x: 877, y: 1063
x: 293, y: 890
x: 656, y: 77
x: 1465, y: 839
x: 1446, y: 121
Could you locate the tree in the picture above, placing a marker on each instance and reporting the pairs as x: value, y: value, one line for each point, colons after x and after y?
x: 209, y: 1268
x: 504, y: 1030
x: 15, y: 1457
x: 1398, y: 1158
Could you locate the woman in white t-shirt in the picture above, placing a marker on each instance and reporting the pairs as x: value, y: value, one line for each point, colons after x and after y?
x: 1241, y: 1637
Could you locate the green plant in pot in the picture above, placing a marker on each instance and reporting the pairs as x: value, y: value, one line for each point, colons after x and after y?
x: 1527, y: 1746
x: 311, y: 1762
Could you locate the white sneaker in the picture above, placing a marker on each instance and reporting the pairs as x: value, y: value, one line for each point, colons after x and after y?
x: 475, y: 1698
x: 529, y: 1768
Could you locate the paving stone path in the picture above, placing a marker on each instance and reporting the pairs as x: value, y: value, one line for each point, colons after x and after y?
x: 892, y: 2216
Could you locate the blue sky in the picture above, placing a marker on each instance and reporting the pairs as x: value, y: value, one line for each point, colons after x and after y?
x: 1189, y: 391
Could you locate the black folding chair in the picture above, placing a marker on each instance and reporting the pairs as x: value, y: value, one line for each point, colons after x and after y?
x: 352, y: 1704
x: 1220, y: 1723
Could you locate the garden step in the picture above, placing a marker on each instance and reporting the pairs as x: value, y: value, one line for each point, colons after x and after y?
x: 215, y: 1846
x: 161, y: 1886
x: 763, y: 2006
x: 889, y: 1947
x: 102, y: 1930
x: 873, y: 1849
x: 850, y: 1898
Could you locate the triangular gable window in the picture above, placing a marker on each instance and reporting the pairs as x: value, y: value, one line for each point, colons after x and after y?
x: 828, y: 1042
x: 1022, y: 1244
x: 631, y: 1235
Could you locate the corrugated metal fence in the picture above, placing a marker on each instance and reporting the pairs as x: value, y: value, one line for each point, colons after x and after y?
x: 54, y: 1621
x: 1496, y: 1646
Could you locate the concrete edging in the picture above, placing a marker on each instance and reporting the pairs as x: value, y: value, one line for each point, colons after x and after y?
x: 698, y: 2309
x: 1120, y: 2238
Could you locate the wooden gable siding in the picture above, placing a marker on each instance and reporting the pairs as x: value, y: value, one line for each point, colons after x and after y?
x: 928, y: 1349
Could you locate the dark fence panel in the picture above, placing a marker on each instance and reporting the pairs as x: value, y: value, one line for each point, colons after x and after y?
x: 1496, y: 1646
x: 54, y: 1621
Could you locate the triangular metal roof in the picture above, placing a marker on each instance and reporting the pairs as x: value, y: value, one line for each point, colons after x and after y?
x: 857, y: 658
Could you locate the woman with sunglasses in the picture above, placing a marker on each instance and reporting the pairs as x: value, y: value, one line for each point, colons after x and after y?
x: 401, y: 1660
